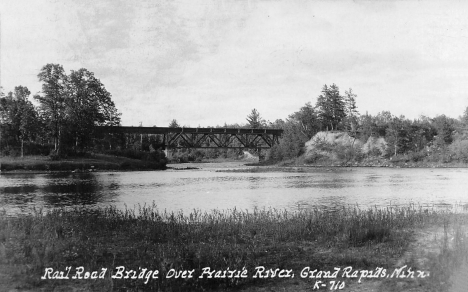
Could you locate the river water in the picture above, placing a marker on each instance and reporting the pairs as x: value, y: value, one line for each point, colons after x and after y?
x: 206, y: 188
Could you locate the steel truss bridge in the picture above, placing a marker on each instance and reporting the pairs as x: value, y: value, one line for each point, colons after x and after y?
x: 237, y: 138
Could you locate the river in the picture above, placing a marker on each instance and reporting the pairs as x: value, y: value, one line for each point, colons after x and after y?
x: 206, y: 189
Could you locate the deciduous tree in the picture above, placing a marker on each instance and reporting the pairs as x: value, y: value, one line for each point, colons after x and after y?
x: 19, y: 117
x: 52, y: 102
x: 89, y: 104
x: 307, y: 119
x: 73, y: 104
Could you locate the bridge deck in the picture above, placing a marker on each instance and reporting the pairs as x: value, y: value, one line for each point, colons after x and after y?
x: 205, y: 137
x: 166, y: 130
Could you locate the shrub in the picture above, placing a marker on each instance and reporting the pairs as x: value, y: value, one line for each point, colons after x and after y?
x: 153, y: 160
x: 322, y: 144
x: 313, y: 158
x: 125, y: 165
x: 348, y: 153
x: 359, y: 236
x: 374, y: 151
x: 459, y: 149
x: 32, y: 148
x: 417, y: 156
x: 129, y: 153
x: 53, y: 155
x: 11, y: 151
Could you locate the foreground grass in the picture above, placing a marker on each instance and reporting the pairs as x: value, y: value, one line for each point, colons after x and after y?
x: 147, y: 238
x: 96, y: 161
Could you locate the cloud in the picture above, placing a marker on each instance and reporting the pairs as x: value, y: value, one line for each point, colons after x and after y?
x: 210, y: 62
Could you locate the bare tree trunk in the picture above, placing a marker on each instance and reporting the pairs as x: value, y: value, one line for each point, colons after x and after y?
x: 59, y: 143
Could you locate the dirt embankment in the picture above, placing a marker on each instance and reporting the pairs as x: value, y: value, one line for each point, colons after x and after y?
x: 338, y: 148
x: 334, y: 148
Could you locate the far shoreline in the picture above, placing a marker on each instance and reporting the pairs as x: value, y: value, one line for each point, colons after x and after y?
x: 108, y: 163
x: 84, y: 164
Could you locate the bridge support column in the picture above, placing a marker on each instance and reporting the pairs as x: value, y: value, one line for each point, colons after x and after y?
x: 168, y: 153
x: 261, y: 155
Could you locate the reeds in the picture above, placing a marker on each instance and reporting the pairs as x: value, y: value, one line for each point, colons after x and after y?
x: 147, y: 237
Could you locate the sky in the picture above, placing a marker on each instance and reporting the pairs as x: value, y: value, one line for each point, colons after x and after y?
x: 207, y: 63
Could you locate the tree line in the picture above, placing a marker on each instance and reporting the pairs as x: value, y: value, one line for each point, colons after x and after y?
x: 438, y: 139
x: 70, y: 105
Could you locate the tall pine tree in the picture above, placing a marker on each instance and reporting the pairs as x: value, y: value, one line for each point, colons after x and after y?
x: 351, y: 120
x: 331, y: 107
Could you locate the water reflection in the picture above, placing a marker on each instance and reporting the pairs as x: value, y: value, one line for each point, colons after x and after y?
x: 22, y: 189
x: 18, y: 199
x: 372, y: 178
x: 329, y: 203
x: 206, y: 189
x: 313, y: 182
x: 72, y: 199
x: 255, y: 182
x: 54, y: 190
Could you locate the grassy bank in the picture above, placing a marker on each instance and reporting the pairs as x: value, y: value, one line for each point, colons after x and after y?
x: 87, y: 163
x: 146, y: 238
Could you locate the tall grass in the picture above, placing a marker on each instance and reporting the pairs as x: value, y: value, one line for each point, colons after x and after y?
x: 154, y: 239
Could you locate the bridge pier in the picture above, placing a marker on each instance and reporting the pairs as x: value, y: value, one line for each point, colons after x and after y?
x: 168, y: 153
x: 261, y: 155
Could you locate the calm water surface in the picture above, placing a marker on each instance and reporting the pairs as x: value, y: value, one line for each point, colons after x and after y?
x: 206, y: 189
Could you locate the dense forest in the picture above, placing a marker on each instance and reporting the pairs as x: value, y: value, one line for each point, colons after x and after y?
x: 440, y: 139
x: 60, y: 123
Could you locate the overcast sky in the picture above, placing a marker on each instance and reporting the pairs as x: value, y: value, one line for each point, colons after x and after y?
x: 206, y: 63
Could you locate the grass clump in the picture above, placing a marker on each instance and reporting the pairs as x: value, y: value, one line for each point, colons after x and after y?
x: 145, y: 237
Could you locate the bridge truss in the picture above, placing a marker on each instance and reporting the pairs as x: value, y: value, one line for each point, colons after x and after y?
x: 236, y: 138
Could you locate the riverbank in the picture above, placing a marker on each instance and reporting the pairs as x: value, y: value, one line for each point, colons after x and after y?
x: 372, y: 162
x: 237, y: 244
x: 89, y: 163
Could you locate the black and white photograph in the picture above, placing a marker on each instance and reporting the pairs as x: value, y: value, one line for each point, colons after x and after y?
x: 233, y: 145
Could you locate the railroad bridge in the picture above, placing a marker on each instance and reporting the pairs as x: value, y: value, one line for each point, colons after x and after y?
x: 237, y: 138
